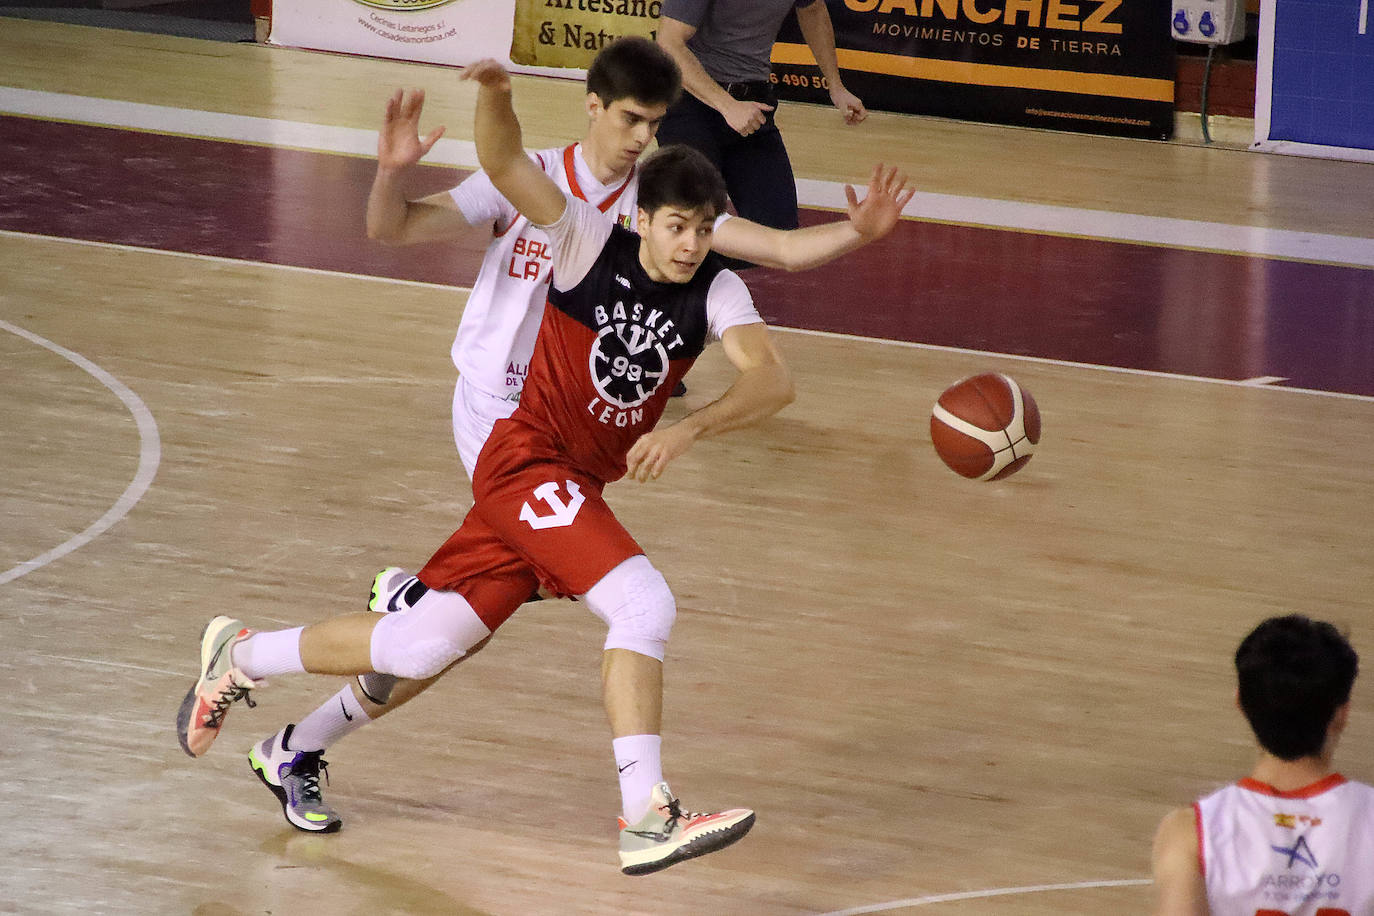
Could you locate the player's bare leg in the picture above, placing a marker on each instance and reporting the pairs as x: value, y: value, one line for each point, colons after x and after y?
x: 632, y: 689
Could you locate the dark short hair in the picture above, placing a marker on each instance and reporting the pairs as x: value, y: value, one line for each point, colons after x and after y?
x: 1294, y: 673
x: 679, y: 176
x: 634, y: 68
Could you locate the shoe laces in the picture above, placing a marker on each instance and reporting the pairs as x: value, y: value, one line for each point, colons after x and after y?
x: 227, y: 697
x: 675, y: 813
x: 307, y: 767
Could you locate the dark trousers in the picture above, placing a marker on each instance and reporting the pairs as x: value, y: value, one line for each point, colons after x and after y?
x: 756, y: 169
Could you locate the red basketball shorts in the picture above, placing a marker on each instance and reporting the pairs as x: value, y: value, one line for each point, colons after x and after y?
x: 537, y: 521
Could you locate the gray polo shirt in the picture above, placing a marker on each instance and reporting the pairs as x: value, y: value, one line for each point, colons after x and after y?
x: 734, y: 38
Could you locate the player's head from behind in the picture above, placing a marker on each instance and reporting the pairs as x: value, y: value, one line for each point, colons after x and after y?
x: 1295, y: 676
x: 680, y: 195
x: 630, y: 85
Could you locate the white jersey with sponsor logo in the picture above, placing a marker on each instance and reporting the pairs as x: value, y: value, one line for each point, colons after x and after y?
x: 1304, y: 853
x: 496, y: 336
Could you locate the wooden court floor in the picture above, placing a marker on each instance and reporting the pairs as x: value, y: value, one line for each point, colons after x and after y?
x: 937, y: 694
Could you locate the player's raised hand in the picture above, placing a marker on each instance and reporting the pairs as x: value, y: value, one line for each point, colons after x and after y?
x: 399, y: 144
x: 875, y: 215
x: 488, y: 73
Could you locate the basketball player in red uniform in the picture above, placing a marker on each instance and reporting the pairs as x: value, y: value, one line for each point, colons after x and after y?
x: 630, y: 85
x: 627, y: 316
x: 1295, y: 837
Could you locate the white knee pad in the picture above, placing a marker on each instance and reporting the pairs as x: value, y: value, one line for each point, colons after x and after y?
x: 426, y: 638
x: 635, y: 601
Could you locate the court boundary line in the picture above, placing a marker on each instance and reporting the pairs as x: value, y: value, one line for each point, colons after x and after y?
x: 983, y: 894
x: 149, y: 456
x: 979, y: 212
x: 1071, y: 364
x: 222, y: 259
x: 858, y: 338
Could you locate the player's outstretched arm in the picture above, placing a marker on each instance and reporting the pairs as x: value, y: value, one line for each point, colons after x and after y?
x: 762, y: 388
x: 1179, y: 888
x: 501, y: 151
x: 392, y: 217
x: 800, y: 249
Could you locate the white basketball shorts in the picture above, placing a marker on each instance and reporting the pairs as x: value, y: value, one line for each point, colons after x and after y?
x: 475, y: 412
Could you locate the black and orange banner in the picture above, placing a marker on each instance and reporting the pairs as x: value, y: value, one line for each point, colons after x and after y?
x: 1099, y: 66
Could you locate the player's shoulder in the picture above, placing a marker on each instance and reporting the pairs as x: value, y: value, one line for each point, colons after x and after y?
x: 720, y: 279
x: 549, y: 160
x: 1176, y: 838
x: 1180, y: 822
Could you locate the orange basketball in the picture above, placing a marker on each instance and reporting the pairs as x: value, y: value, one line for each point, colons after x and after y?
x: 985, y: 427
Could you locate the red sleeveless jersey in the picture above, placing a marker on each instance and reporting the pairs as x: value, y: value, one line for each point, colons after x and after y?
x: 609, y: 352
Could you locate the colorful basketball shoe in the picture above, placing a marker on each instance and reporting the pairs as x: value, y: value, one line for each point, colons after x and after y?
x: 220, y: 684
x: 667, y: 835
x: 294, y: 777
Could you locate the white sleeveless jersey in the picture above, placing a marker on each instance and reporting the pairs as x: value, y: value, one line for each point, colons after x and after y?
x: 1304, y: 853
x: 501, y: 320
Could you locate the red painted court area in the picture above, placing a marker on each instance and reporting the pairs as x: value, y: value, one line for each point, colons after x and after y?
x: 1083, y: 300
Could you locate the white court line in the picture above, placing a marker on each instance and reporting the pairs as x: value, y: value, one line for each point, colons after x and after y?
x: 1169, y: 232
x: 218, y: 259
x: 1243, y: 383
x: 974, y: 211
x: 979, y: 895
x: 1043, y: 360
x: 149, y: 454
x: 108, y: 664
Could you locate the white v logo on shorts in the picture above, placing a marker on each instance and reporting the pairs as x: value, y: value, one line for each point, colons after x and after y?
x: 563, y: 513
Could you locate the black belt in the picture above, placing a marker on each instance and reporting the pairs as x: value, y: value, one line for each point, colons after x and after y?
x: 751, y: 91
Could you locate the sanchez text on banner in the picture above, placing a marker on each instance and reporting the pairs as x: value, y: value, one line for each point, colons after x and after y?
x: 569, y: 33
x: 1100, y: 66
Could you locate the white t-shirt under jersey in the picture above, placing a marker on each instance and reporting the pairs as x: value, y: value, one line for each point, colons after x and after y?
x: 581, y: 233
x: 1299, y: 853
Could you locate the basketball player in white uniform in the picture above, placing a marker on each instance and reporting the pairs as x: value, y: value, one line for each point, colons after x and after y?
x: 630, y: 85
x: 1294, y: 838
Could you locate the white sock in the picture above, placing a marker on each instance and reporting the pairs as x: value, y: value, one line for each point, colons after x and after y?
x: 336, y: 717
x: 265, y: 654
x: 641, y: 768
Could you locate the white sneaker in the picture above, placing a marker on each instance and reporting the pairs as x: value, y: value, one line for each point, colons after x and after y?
x: 667, y: 835
x: 217, y: 688
x: 388, y: 587
x: 294, y: 777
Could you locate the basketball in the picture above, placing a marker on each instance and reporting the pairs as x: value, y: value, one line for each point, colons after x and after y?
x: 985, y: 427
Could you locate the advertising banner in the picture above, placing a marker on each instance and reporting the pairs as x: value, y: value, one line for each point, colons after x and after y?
x: 569, y: 33
x: 1314, y: 85
x: 1097, y: 66
x: 453, y: 32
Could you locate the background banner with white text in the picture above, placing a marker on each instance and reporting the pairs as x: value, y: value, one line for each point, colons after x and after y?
x: 1099, y: 66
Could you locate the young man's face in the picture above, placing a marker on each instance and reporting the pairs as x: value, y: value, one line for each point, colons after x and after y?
x: 674, y: 242
x: 620, y: 132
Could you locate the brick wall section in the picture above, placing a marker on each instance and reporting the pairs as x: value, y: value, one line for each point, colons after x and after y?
x: 1230, y: 91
